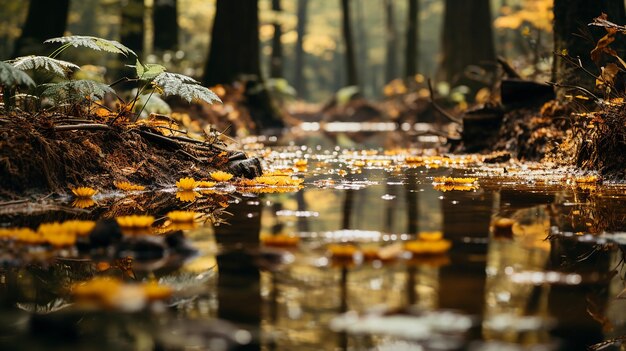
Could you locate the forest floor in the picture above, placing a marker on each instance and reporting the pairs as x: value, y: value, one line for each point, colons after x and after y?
x: 44, y: 153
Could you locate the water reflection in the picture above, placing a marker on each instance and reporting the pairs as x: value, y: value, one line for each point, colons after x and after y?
x: 550, y: 282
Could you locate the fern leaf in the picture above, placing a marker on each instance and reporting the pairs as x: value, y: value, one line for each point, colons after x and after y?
x: 76, y: 90
x: 11, y: 76
x: 185, y: 87
x: 59, y: 67
x: 93, y: 43
x: 148, y: 71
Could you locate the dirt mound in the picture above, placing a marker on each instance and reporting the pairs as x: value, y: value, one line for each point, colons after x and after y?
x: 532, y: 133
x: 43, y: 154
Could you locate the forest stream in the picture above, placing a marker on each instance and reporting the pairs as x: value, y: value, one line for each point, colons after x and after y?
x: 376, y: 250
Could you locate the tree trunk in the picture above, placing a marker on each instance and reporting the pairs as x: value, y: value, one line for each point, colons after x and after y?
x: 362, y: 49
x: 276, y: 62
x: 410, y: 67
x: 298, y: 80
x: 132, y: 27
x: 349, y: 44
x: 46, y: 19
x: 467, y: 41
x: 234, y: 53
x: 165, y: 22
x: 572, y: 17
x: 392, y: 43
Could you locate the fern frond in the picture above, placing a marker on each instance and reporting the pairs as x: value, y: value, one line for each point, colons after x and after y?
x: 11, y: 76
x: 148, y: 71
x: 58, y: 67
x: 93, y: 43
x: 185, y: 87
x: 76, y: 90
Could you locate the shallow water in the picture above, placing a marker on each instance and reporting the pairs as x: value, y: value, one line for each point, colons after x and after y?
x: 551, y: 285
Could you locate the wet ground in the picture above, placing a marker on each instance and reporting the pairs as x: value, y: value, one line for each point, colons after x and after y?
x: 535, y: 261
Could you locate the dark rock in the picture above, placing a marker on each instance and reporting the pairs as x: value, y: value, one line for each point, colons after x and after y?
x: 141, y: 248
x: 105, y: 233
x: 481, y: 127
x: 519, y: 92
x: 498, y: 158
x: 248, y: 168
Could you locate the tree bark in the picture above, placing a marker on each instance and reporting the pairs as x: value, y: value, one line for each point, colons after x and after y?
x: 572, y: 17
x: 276, y: 62
x: 234, y: 53
x: 165, y: 22
x: 46, y: 19
x: 361, y: 47
x: 349, y: 44
x: 298, y: 80
x: 467, y: 41
x: 132, y: 26
x: 391, y: 42
x: 410, y: 67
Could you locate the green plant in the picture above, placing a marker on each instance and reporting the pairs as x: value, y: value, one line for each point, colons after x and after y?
x: 10, y: 79
x: 150, y: 78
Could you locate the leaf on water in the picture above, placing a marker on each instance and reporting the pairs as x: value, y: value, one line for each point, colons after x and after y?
x: 185, y: 87
x: 11, y: 76
x: 58, y: 67
x: 148, y: 71
x: 94, y: 43
x: 76, y: 89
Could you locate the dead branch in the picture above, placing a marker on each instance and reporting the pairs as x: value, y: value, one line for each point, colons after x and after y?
x: 439, y: 109
x: 86, y: 126
x: 601, y: 22
x: 507, y: 68
x: 558, y: 85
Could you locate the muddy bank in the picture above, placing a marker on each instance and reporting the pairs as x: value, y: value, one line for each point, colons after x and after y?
x: 44, y: 154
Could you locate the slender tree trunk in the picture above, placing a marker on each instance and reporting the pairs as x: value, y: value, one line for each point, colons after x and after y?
x: 276, y: 62
x: 570, y: 18
x: 298, y: 80
x: 46, y: 19
x: 392, y: 43
x: 467, y: 41
x: 362, y: 49
x: 165, y: 22
x: 349, y: 44
x: 132, y: 26
x: 234, y: 47
x: 410, y: 65
x: 234, y: 53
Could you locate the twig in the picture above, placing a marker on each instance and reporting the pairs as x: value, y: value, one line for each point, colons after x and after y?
x: 158, y: 137
x: 188, y: 155
x: 508, y: 69
x: 578, y: 64
x: 74, y: 120
x: 14, y: 202
x: 447, y: 115
x: 90, y: 126
x: 197, y: 142
x: 558, y: 85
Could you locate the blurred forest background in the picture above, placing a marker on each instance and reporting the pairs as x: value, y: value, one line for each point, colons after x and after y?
x: 177, y: 34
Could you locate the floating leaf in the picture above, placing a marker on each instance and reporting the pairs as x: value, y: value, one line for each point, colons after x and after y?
x: 185, y: 87
x: 84, y: 191
x: 58, y: 67
x: 11, y: 76
x: 187, y: 183
x: 93, y: 43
